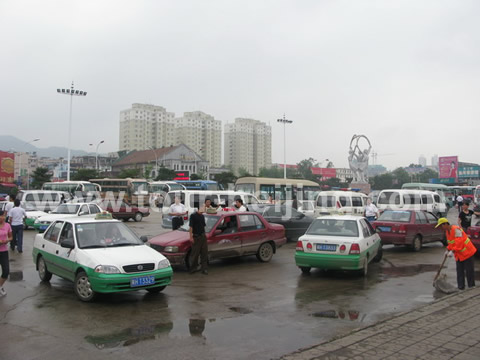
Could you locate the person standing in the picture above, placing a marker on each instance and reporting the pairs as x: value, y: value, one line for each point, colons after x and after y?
x: 295, y: 202
x: 177, y: 211
x: 239, y: 205
x: 15, y: 217
x: 371, y: 211
x: 459, y: 202
x: 476, y: 216
x: 199, y: 241
x: 5, y: 237
x: 465, y: 216
x: 8, y: 206
x: 460, y: 245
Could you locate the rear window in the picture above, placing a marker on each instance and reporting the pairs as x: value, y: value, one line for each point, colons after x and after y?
x: 345, y: 201
x: 326, y: 201
x: 389, y: 198
x: 395, y: 216
x: 357, y: 201
x: 333, y: 227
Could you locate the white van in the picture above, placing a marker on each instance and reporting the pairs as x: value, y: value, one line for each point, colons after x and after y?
x: 158, y: 189
x: 340, y: 202
x: 44, y: 200
x: 394, y: 199
x: 193, y: 199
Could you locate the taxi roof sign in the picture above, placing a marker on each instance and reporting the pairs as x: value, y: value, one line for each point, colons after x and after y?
x: 104, y: 216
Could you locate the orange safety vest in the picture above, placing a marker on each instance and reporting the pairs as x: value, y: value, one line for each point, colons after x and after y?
x: 459, y: 243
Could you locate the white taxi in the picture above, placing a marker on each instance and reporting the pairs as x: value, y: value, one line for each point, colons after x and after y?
x: 339, y: 242
x: 100, y: 255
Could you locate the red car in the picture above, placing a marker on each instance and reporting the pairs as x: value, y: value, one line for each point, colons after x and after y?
x: 408, y: 227
x: 124, y: 211
x: 229, y: 234
x: 473, y: 233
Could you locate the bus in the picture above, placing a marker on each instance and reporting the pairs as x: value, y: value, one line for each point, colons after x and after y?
x: 135, y: 191
x: 86, y: 188
x: 200, y: 184
x: 465, y: 191
x: 280, y: 189
x: 446, y: 194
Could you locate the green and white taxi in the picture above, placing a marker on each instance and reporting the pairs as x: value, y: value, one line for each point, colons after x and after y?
x: 338, y: 242
x: 100, y: 255
x: 66, y: 210
x: 32, y: 215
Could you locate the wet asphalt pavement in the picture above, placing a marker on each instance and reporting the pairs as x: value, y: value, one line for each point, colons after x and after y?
x: 242, y: 309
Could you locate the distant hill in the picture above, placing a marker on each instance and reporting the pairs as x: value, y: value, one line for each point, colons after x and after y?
x: 11, y: 143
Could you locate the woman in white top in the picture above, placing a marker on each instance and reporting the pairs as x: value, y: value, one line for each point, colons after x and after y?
x: 371, y: 211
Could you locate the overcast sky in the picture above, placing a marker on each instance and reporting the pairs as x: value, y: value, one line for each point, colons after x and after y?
x: 404, y: 73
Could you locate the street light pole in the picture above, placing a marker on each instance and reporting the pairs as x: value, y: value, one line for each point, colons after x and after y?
x: 72, y: 92
x: 96, y: 154
x: 28, y: 163
x: 284, y: 122
x: 156, y: 160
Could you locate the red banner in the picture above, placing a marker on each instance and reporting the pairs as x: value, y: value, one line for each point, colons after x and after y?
x: 326, y: 173
x: 7, y: 167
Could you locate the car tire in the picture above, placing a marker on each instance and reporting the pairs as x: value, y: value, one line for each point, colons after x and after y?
x: 83, y: 288
x: 25, y: 226
x: 156, y: 290
x: 305, y: 269
x: 138, y: 217
x: 379, y: 255
x: 43, y: 272
x: 416, y: 243
x: 265, y: 252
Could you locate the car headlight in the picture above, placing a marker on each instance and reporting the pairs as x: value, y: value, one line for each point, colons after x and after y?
x: 37, y: 221
x: 107, y: 269
x: 172, y: 249
x: 163, y: 264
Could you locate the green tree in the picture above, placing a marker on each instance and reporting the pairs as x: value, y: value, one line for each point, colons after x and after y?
x: 225, y: 178
x: 428, y: 174
x: 304, y: 168
x: 147, y: 173
x: 400, y: 177
x: 165, y: 174
x: 243, y: 172
x: 39, y: 177
x: 330, y: 165
x: 272, y: 172
x: 195, y: 177
x: 129, y: 173
x: 381, y: 182
x: 85, y: 175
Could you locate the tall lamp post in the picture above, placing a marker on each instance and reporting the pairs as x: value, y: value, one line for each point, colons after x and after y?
x: 28, y: 163
x: 96, y: 154
x: 72, y: 92
x: 156, y: 160
x: 284, y: 122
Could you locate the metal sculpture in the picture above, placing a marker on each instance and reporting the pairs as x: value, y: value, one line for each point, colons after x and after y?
x: 358, y: 158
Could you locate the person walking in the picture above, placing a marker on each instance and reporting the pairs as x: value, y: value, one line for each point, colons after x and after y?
x: 8, y: 206
x: 460, y: 245
x: 177, y: 211
x: 15, y: 217
x: 5, y: 237
x: 199, y: 242
x: 459, y: 200
x: 465, y: 216
x: 371, y: 211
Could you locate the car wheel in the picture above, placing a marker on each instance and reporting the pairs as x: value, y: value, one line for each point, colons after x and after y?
x: 25, y: 226
x: 265, y: 252
x: 305, y: 269
x: 417, y: 243
x: 83, y: 288
x: 155, y: 290
x: 364, y: 271
x: 138, y: 217
x: 379, y: 255
x: 43, y: 272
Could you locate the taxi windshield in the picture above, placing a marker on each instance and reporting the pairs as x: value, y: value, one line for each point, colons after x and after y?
x: 105, y: 234
x: 66, y: 209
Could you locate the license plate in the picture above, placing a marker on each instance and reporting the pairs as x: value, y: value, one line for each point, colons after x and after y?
x: 326, y: 247
x: 385, y: 228
x: 142, y: 281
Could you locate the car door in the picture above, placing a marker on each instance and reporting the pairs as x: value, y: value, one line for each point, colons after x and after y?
x: 83, y: 210
x: 94, y: 209
x: 49, y: 247
x: 370, y: 238
x: 225, y: 238
x: 252, y: 233
x: 298, y: 223
x: 437, y: 233
x: 65, y: 258
x: 422, y: 226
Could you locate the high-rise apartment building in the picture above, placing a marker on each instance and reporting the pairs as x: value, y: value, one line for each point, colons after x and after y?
x: 248, y: 145
x: 422, y: 160
x: 202, y: 133
x: 144, y: 126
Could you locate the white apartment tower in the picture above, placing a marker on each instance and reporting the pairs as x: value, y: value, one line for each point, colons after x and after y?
x: 248, y: 145
x: 144, y: 126
x: 203, y: 134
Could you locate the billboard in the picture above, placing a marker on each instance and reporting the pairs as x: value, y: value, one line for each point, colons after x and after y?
x: 448, y: 167
x: 182, y: 175
x: 469, y: 172
x: 326, y: 173
x: 7, y: 167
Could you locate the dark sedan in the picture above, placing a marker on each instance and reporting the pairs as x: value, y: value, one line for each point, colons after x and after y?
x: 125, y: 211
x: 295, y: 223
x: 408, y: 227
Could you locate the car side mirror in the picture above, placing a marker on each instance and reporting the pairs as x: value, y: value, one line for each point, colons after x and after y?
x: 144, y: 238
x: 67, y: 243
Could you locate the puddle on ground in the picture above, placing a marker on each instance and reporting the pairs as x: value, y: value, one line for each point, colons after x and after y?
x: 407, y: 270
x: 129, y: 336
x: 16, y: 275
x: 351, y: 315
x: 241, y: 310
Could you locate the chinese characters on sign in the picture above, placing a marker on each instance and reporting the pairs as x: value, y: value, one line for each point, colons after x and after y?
x: 7, y: 166
x: 448, y: 166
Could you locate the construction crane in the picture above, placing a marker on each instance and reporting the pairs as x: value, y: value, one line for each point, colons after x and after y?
x: 374, y: 156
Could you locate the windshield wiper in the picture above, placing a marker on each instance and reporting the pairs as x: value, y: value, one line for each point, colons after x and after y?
x: 124, y: 244
x: 92, y: 247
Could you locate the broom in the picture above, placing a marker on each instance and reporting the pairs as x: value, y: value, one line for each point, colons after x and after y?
x: 440, y: 281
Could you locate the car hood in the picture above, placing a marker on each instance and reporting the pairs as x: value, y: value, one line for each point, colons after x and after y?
x: 36, y: 213
x: 123, y: 255
x: 53, y: 217
x: 172, y: 238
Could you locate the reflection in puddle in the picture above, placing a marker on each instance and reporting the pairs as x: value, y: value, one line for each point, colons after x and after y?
x: 240, y: 310
x: 129, y: 336
x: 351, y: 315
x: 196, y: 327
x: 407, y: 270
